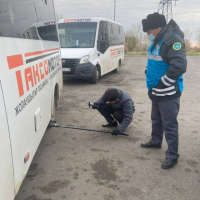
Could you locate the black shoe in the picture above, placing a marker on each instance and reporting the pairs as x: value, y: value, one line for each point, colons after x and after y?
x: 113, y: 123
x: 169, y: 163
x: 150, y: 145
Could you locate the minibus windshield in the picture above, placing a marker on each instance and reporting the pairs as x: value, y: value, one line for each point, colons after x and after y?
x: 77, y: 34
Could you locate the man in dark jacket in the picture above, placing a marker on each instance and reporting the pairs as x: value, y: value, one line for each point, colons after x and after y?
x: 116, y: 105
x: 165, y: 67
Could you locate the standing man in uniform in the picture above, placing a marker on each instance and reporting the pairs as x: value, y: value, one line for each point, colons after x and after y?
x: 165, y: 66
x: 116, y: 106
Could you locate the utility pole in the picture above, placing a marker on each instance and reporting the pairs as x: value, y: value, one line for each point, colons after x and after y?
x: 114, y: 8
x: 165, y: 8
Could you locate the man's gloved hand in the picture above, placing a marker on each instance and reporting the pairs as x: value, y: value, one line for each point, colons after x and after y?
x: 93, y: 105
x: 116, y: 132
x: 145, y: 71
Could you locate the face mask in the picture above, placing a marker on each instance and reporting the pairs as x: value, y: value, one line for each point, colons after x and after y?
x: 151, y: 38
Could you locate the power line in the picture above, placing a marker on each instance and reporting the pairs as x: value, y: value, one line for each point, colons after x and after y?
x: 165, y: 8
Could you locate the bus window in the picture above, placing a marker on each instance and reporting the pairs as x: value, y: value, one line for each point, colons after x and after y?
x: 31, y: 33
x: 17, y: 18
x: 116, y: 35
x: 103, y: 35
x: 48, y: 32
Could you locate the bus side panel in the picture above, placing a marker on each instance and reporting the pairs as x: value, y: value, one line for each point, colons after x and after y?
x: 28, y: 98
x: 6, y: 167
x: 116, y: 55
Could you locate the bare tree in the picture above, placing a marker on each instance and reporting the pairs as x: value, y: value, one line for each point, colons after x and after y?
x: 136, y: 39
x: 142, y: 38
x: 197, y: 32
x: 145, y: 43
x: 59, y: 16
x: 130, y: 40
x: 188, y: 36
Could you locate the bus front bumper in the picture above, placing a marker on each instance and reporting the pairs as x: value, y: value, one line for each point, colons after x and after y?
x: 80, y: 71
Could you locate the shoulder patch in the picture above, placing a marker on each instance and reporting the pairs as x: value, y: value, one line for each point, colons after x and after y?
x: 177, y: 46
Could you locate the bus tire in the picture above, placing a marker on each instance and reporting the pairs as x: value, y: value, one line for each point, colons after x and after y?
x: 95, y: 76
x: 53, y: 118
x: 117, y: 69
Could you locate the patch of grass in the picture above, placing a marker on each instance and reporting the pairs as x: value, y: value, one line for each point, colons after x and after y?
x: 189, y: 53
x: 192, y: 53
x: 136, y: 53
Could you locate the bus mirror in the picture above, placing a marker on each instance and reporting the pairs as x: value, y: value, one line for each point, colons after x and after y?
x: 102, y: 46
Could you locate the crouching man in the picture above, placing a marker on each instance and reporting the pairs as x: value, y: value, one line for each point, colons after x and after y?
x: 116, y: 106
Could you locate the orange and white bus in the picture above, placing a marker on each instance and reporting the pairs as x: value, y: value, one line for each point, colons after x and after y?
x: 30, y: 85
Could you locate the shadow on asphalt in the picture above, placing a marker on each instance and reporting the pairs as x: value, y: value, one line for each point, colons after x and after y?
x: 68, y: 81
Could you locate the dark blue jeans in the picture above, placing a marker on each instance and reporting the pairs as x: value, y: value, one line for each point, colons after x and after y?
x: 164, y: 119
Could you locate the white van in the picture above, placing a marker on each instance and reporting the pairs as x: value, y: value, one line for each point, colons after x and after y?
x: 90, y: 47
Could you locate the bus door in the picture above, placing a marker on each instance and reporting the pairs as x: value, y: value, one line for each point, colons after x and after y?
x: 103, y: 41
x: 6, y: 166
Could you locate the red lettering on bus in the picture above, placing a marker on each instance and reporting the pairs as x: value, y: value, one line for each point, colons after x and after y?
x: 35, y: 73
x: 46, y: 69
x: 40, y: 66
x: 28, y: 77
x: 15, y: 61
x: 19, y: 83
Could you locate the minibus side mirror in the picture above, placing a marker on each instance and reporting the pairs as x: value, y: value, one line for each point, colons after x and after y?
x: 102, y: 46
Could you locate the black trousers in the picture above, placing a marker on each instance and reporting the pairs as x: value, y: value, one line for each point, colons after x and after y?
x: 107, y: 111
x: 164, y: 119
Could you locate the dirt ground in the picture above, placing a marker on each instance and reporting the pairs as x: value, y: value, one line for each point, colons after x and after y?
x: 80, y: 165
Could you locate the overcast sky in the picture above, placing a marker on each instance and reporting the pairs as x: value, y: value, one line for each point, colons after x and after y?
x: 186, y: 13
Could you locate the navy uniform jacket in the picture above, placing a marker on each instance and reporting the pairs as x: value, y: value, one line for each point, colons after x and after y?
x: 125, y: 103
x: 166, y: 64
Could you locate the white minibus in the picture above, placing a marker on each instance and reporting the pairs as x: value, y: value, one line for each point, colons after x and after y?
x: 90, y: 47
x: 30, y: 85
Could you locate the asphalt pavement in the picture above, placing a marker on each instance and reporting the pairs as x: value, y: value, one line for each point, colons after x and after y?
x: 81, y: 165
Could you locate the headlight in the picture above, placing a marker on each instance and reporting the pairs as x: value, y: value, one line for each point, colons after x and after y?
x: 85, y: 59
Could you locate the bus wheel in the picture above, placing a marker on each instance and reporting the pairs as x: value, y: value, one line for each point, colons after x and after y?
x: 95, y: 76
x: 117, y: 69
x: 53, y: 118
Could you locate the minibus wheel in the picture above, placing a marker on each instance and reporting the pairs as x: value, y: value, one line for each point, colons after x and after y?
x: 95, y: 76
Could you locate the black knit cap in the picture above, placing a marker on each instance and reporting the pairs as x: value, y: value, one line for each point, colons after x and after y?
x: 153, y: 21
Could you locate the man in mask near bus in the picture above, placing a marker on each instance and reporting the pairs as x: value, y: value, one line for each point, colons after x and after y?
x: 116, y: 105
x: 165, y: 66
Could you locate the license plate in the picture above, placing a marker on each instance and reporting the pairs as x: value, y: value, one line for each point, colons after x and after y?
x: 66, y: 69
